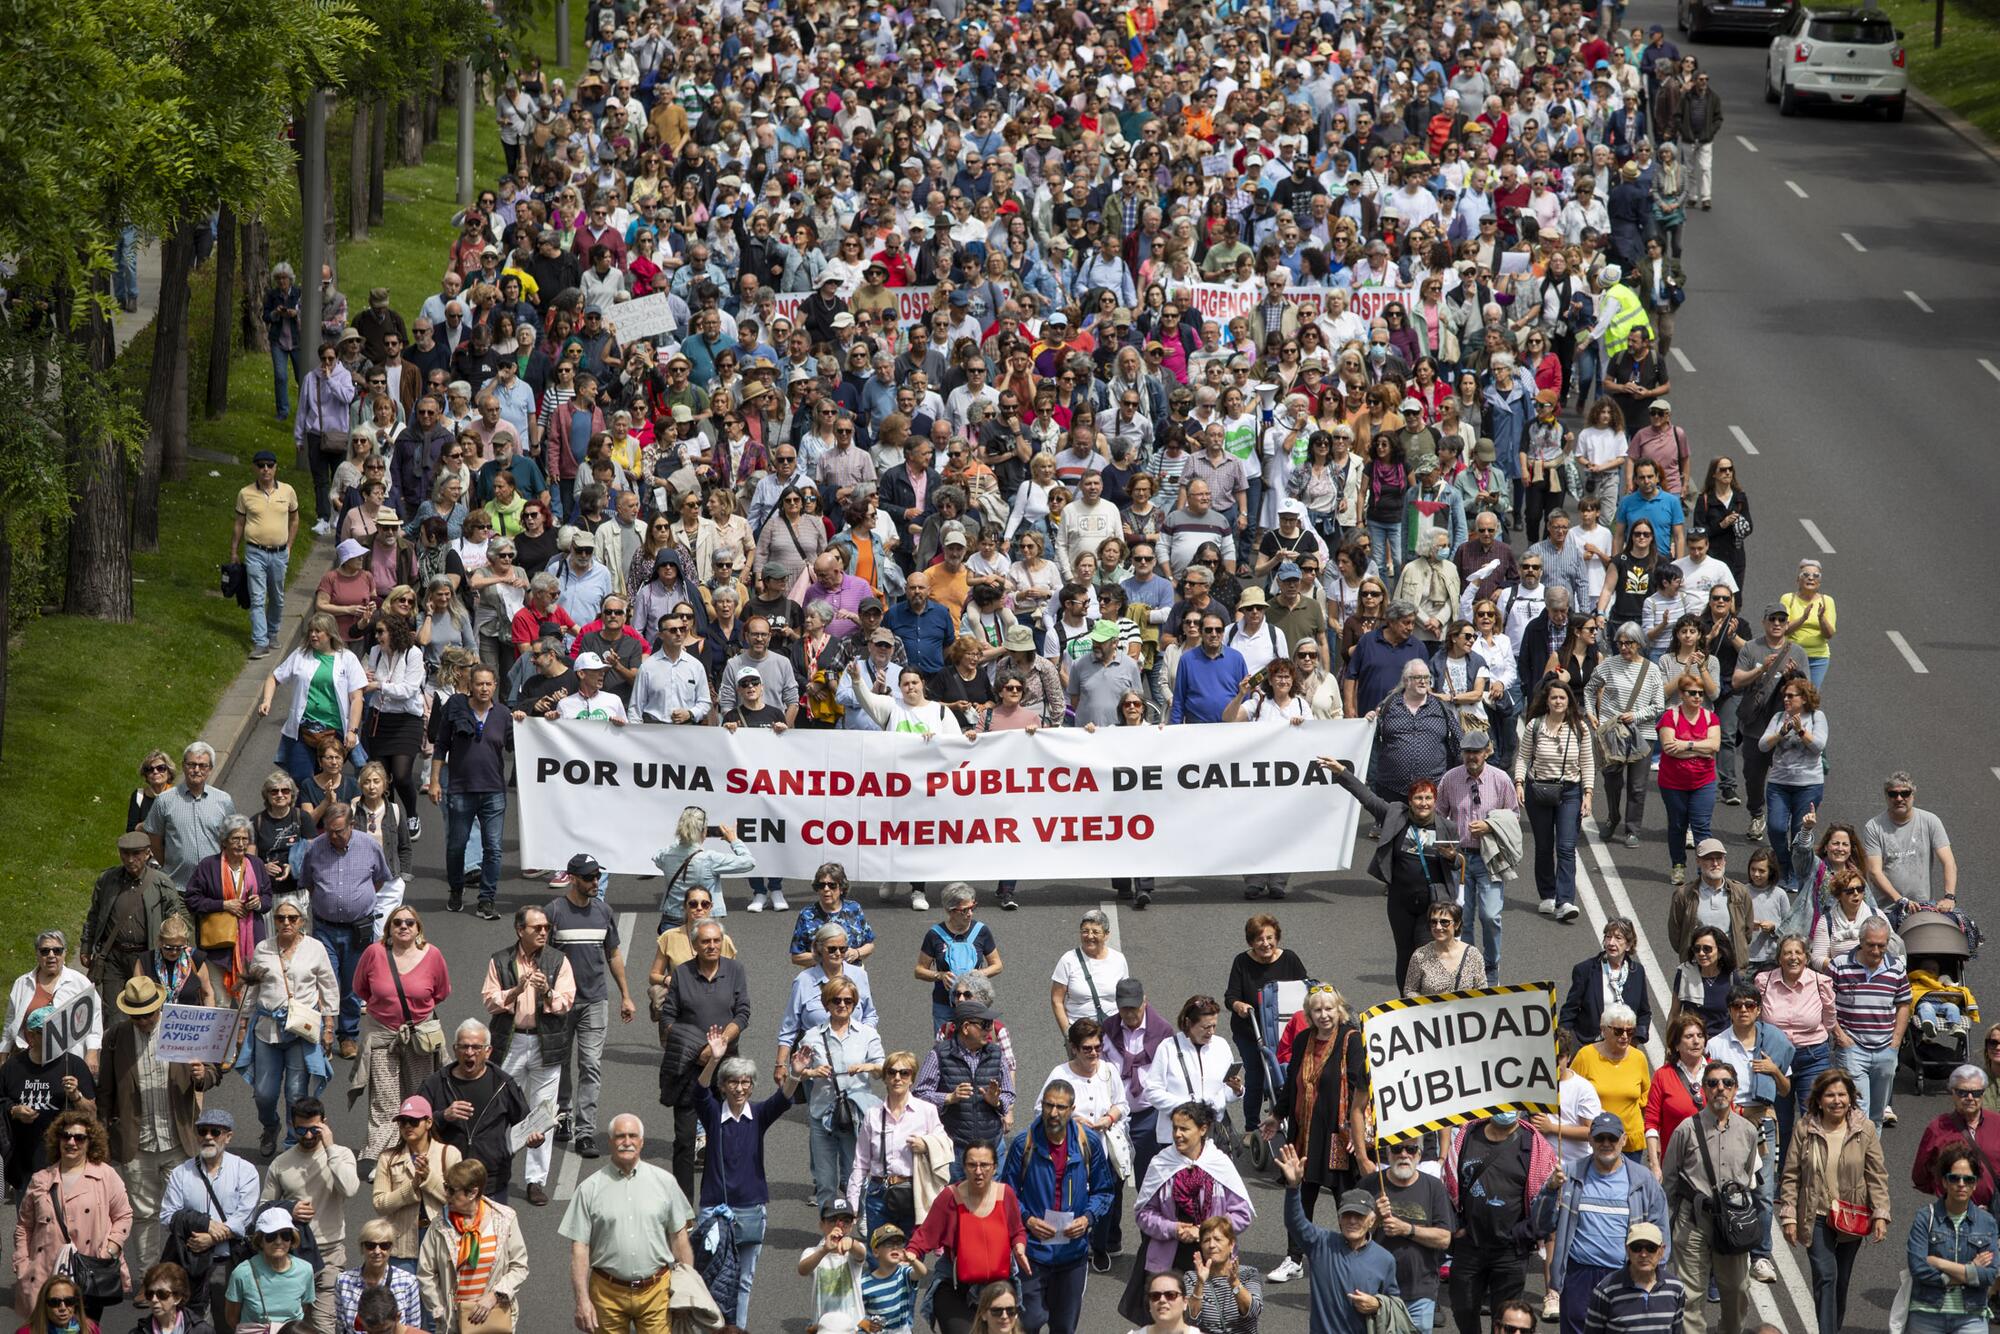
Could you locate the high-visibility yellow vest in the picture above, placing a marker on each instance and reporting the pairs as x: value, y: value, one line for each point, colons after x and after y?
x: 1631, y: 315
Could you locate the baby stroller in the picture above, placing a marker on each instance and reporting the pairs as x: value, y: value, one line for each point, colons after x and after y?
x: 1276, y: 1005
x: 1937, y: 1039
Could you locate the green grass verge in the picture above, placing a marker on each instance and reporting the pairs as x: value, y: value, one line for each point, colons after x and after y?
x: 88, y: 699
x: 1964, y: 73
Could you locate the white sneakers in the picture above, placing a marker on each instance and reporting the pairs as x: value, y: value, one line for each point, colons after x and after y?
x: 1552, y: 1307
x: 1763, y: 1271
x: 758, y: 903
x: 1287, y: 1270
x: 918, y: 903
x: 778, y: 903
x: 1547, y: 907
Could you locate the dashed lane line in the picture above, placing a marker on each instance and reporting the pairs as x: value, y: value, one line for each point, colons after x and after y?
x: 1909, y: 654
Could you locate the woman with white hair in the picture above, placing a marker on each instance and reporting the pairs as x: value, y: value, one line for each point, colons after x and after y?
x: 687, y: 864
x: 1616, y: 1067
x: 1625, y: 697
x: 734, y: 1190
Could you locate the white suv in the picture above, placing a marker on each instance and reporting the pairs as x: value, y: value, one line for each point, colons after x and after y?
x: 1840, y: 57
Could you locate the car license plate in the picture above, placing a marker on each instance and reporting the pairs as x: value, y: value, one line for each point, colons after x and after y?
x: 1851, y: 78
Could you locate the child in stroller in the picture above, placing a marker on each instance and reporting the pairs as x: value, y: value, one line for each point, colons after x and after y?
x: 1943, y: 1007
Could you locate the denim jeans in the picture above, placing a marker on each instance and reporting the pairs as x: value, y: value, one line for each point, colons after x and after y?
x: 344, y: 942
x: 1387, y: 539
x: 1485, y: 898
x: 125, y: 271
x: 266, y: 572
x: 578, y: 1095
x: 1767, y: 1186
x: 296, y: 760
x: 1686, y: 810
x: 1832, y: 1259
x: 832, y: 1158
x: 276, y: 1066
x: 283, y: 364
x: 746, y: 1273
x: 1052, y: 1297
x: 462, y: 808
x: 1874, y: 1071
x: 1788, y: 802
x: 1808, y: 1063
x: 1423, y: 1314
x: 1555, y: 844
x: 1816, y: 668
x: 1725, y: 759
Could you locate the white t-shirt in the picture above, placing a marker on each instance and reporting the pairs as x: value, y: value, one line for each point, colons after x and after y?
x: 1596, y: 539
x: 1070, y: 974
x: 601, y: 707
x: 1095, y: 1098
x: 1698, y: 578
x: 1580, y: 1105
x: 837, y: 1282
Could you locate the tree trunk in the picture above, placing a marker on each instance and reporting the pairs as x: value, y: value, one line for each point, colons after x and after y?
x: 100, y: 532
x: 256, y: 273
x: 357, y: 173
x: 330, y: 230
x: 165, y: 455
x: 410, y: 131
x: 432, y: 106
x: 378, y: 160
x: 6, y: 620
x: 221, y: 344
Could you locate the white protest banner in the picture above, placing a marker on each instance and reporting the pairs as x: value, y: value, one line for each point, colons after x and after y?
x: 1221, y: 302
x: 642, y: 317
x: 1369, y: 302
x: 789, y: 304
x: 1441, y: 1061
x: 913, y: 303
x: 193, y: 1034
x: 1060, y: 804
x: 68, y: 1027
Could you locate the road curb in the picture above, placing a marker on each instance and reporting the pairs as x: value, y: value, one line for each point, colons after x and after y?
x: 1957, y: 124
x: 235, y: 715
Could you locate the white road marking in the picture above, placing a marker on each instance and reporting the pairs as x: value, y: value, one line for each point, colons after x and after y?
x: 1991, y: 369
x: 1796, y: 189
x: 566, y: 1176
x: 1748, y: 147
x: 1909, y: 654
x: 1109, y: 907
x: 1681, y: 360
x: 1819, y: 538
x: 1859, y: 249
x: 1919, y: 302
x: 1996, y: 771
x: 1762, y: 1296
x: 627, y: 924
x: 1743, y: 441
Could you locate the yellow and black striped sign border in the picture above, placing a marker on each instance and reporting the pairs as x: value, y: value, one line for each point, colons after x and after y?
x: 1452, y: 1122
x: 1413, y: 1002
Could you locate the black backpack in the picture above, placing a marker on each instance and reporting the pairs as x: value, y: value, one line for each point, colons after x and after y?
x: 1733, y: 1206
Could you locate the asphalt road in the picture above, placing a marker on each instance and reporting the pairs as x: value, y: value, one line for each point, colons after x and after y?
x: 1863, y: 414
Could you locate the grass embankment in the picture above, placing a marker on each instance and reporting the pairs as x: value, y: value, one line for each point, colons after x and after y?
x: 1964, y: 73
x: 89, y: 699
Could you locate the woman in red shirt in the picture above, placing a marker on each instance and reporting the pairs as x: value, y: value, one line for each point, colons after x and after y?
x: 1673, y: 1098
x: 1690, y: 735
x: 977, y: 1226
x: 401, y: 1041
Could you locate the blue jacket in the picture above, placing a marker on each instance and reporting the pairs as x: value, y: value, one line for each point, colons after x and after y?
x: 1931, y: 1233
x: 1505, y: 420
x: 1029, y: 1168
x: 1772, y: 1043
x: 1556, y: 1215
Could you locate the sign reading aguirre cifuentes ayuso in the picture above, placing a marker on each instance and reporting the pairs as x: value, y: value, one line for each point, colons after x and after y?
x: 1061, y: 802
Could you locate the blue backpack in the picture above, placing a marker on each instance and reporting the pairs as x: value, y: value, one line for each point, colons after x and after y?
x: 959, y: 955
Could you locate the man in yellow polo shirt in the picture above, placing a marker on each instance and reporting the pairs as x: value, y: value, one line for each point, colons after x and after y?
x: 627, y: 1228
x: 267, y: 522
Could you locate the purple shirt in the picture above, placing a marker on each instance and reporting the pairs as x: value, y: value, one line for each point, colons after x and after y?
x: 1465, y: 799
x: 845, y: 600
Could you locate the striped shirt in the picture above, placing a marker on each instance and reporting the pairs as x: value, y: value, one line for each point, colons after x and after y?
x: 890, y: 1298
x: 1865, y: 1003
x: 1620, y: 1306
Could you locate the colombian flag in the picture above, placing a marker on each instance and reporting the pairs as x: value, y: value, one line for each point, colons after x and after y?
x: 1135, y: 43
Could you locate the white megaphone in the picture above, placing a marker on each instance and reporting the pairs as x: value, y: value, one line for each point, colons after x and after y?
x: 1267, y: 398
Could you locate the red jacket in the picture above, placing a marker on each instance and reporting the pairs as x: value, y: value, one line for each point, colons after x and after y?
x: 559, y: 461
x: 1943, y: 1129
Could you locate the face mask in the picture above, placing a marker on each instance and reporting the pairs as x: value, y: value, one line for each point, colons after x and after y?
x: 1505, y: 1120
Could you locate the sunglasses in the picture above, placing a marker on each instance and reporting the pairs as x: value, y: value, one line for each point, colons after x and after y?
x: 1718, y: 1083
x: 1643, y: 1247
x: 154, y: 1294
x: 1960, y: 1179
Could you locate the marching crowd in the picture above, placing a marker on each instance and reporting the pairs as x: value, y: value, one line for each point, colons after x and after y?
x: 1206, y: 365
